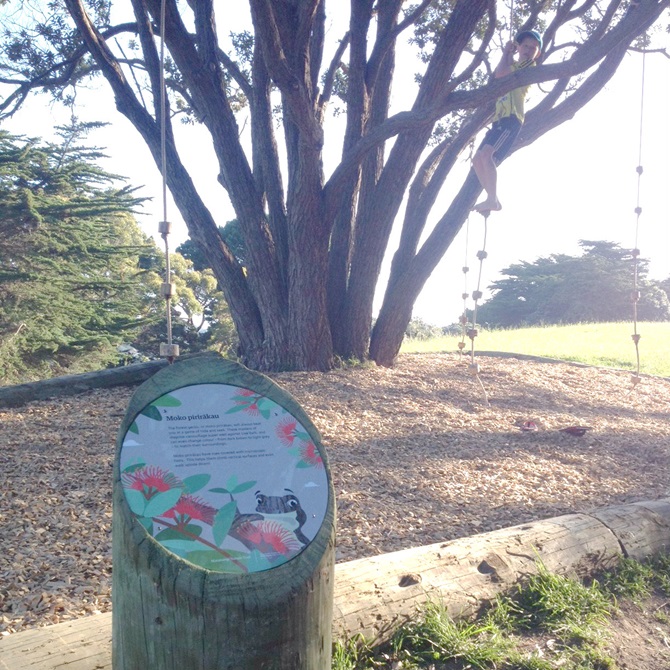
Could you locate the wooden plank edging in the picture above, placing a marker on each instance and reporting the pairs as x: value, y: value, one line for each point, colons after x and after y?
x: 373, y: 596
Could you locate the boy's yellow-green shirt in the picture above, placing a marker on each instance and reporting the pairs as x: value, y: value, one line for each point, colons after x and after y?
x: 512, y: 103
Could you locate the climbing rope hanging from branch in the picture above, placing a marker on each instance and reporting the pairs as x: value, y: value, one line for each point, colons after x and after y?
x: 465, y: 295
x: 635, y: 295
x: 167, y: 349
x: 473, y: 331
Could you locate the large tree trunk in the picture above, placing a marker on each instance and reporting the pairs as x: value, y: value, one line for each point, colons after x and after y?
x: 408, y: 278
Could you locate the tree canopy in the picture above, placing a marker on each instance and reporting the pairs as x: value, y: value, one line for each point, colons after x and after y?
x: 596, y: 286
x: 78, y: 277
x: 314, y: 242
x: 71, y: 286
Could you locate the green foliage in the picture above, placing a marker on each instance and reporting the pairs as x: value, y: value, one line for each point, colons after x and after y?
x: 593, y: 287
x: 631, y: 579
x: 71, y: 284
x: 200, y: 315
x: 437, y: 637
x: 547, y: 622
x: 231, y: 234
x: 352, y: 654
x: 636, y: 580
x: 418, y: 329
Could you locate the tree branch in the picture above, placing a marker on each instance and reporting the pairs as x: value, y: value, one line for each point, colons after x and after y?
x: 626, y: 30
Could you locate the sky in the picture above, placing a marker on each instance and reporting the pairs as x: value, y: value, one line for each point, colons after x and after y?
x: 579, y: 181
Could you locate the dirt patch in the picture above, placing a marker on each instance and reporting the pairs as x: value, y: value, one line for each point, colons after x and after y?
x: 417, y: 457
x: 640, y: 635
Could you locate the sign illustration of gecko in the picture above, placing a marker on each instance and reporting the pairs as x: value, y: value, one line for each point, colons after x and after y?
x: 287, y: 505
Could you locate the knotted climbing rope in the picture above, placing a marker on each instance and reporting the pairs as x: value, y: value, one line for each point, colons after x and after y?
x: 470, y: 329
x: 635, y: 294
x: 167, y: 349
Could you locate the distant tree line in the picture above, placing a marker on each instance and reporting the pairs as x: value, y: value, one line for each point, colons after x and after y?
x: 596, y: 286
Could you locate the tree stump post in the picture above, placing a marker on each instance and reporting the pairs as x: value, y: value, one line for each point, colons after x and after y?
x: 224, y: 526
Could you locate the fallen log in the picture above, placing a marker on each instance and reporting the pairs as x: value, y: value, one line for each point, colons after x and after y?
x: 374, y: 596
x: 67, y: 385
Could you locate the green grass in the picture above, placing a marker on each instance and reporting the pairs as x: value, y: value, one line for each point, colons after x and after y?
x: 600, y: 344
x: 565, y: 617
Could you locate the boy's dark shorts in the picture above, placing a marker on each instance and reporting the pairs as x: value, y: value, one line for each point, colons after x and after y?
x: 501, y: 136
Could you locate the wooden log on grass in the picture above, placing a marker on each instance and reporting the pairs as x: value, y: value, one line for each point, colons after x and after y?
x: 373, y: 596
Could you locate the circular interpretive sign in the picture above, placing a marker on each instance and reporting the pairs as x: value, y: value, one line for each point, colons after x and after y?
x: 224, y: 477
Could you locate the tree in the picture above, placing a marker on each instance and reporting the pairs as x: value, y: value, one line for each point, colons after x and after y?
x: 315, y: 243
x: 199, y: 313
x: 231, y: 236
x: 593, y: 287
x: 71, y: 287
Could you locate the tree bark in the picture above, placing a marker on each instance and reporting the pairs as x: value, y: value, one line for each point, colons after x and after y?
x: 411, y: 269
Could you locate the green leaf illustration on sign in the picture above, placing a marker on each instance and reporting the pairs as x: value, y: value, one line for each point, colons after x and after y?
x: 244, y: 486
x: 223, y: 521
x: 162, y: 502
x: 258, y: 562
x: 133, y: 466
x: 195, y: 483
x: 265, y: 407
x: 136, y: 501
x: 175, y: 534
x: 147, y: 524
x: 167, y: 400
x: 133, y: 428
x: 237, y: 408
x: 152, y: 412
x: 180, y: 547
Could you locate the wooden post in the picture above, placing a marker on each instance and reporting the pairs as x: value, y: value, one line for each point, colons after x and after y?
x: 224, y: 526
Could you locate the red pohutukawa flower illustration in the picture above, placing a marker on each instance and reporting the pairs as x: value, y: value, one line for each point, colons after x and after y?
x: 191, y: 508
x: 310, y: 454
x: 150, y: 480
x: 269, y: 537
x: 286, y: 430
x: 250, y: 401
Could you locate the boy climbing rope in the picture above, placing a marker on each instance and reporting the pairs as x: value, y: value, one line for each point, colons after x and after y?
x: 508, y: 119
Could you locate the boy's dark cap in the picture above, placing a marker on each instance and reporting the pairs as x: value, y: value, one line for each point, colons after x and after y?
x: 529, y: 33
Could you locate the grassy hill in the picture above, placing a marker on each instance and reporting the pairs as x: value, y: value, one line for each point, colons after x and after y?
x: 602, y: 344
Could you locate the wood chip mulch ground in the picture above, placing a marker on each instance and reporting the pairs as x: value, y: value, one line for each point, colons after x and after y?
x: 417, y: 457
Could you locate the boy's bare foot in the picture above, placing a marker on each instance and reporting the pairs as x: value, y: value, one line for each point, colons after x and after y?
x: 488, y: 206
